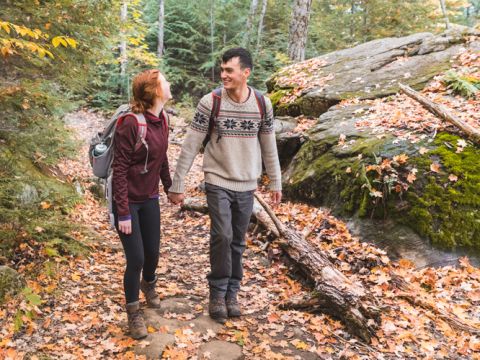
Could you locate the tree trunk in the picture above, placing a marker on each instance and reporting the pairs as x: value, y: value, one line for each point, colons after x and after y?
x: 212, y: 36
x: 352, y: 11
x: 299, y: 29
x: 443, y: 113
x: 444, y: 12
x: 260, y: 26
x: 250, y: 18
x: 161, y: 21
x: 123, y: 47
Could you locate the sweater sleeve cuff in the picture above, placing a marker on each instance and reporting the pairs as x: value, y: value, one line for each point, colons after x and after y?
x: 177, y: 187
x: 275, y: 185
x: 125, y: 217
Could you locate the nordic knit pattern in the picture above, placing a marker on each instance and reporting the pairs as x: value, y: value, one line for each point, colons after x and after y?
x: 240, y: 140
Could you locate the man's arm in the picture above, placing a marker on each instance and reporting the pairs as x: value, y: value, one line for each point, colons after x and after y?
x: 268, y: 144
x: 191, y: 145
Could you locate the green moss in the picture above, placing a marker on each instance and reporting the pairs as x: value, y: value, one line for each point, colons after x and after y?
x: 447, y: 212
x: 276, y: 96
x: 328, y: 174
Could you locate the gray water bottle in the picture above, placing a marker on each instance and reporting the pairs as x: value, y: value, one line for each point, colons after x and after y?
x: 99, y: 149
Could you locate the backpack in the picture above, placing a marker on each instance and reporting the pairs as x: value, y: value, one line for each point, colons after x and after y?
x: 217, y: 101
x: 101, y: 151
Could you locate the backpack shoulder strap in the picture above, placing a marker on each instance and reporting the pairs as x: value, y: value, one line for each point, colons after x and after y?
x: 142, y: 129
x: 262, y: 106
x: 217, y: 101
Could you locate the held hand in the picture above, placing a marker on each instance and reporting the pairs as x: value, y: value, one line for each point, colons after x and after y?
x: 125, y: 226
x: 176, y: 198
x: 275, y: 197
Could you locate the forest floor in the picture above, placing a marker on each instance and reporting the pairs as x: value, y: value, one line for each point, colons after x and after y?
x: 76, y: 308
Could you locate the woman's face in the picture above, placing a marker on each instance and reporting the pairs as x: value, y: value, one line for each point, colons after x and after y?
x: 164, y: 88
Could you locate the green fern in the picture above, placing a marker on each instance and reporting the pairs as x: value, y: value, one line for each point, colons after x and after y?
x: 464, y: 85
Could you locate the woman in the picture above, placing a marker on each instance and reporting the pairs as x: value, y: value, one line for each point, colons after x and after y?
x: 137, y: 171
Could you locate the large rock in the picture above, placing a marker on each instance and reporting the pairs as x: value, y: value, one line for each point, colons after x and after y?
x: 328, y: 171
x: 370, y: 70
x: 11, y: 282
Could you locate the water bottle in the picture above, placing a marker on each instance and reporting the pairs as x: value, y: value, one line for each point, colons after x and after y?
x: 99, y: 149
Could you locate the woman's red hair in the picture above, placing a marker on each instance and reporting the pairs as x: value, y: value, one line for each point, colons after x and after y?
x: 145, y: 89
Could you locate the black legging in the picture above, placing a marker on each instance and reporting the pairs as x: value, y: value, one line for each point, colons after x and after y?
x: 141, y: 246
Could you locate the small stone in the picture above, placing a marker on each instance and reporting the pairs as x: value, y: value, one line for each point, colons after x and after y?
x: 28, y: 195
x: 176, y: 306
x: 11, y: 282
x: 221, y: 350
x: 154, y: 345
x: 203, y: 323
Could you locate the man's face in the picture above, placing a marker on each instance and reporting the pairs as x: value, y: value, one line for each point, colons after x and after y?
x: 232, y: 74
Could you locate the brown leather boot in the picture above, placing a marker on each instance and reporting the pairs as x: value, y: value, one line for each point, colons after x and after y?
x: 136, y: 324
x: 148, y: 289
x: 217, y: 309
x: 233, y: 307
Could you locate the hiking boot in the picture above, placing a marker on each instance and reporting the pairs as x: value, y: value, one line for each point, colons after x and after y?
x: 148, y: 289
x: 217, y: 309
x: 136, y: 324
x: 233, y: 307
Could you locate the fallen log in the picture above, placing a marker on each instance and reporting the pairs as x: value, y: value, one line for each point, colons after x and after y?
x: 443, y: 113
x: 334, y: 293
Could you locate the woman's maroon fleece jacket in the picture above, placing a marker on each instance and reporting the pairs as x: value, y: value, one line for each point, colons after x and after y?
x: 129, y: 184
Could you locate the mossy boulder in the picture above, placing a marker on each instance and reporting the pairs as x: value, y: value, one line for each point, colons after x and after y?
x: 370, y: 70
x: 11, y: 282
x: 329, y: 170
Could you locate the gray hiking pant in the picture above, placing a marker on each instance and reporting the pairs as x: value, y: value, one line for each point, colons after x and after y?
x: 230, y: 213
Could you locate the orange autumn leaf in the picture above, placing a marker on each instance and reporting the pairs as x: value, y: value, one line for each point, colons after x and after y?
x: 45, y: 205
x: 151, y: 329
x: 435, y: 167
x: 400, y: 159
x: 411, y: 177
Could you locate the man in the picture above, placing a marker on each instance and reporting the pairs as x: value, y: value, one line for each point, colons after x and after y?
x: 232, y: 165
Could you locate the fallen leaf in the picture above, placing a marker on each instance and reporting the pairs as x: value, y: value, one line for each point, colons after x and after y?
x: 453, y: 177
x: 435, y: 167
x: 400, y: 159
x: 151, y: 329
x: 45, y: 205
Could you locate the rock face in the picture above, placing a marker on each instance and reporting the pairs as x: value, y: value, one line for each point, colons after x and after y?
x: 10, y: 282
x: 367, y: 71
x: 329, y: 172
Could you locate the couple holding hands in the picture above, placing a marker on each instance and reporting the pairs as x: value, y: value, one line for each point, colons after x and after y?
x: 243, y: 136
